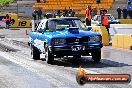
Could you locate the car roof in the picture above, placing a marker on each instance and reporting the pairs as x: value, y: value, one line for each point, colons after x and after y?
x: 64, y: 18
x: 106, y: 14
x: 72, y: 18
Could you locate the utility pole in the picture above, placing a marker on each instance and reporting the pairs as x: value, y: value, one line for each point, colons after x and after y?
x: 17, y: 7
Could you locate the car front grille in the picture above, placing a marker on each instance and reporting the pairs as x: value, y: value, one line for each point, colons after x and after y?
x: 75, y: 40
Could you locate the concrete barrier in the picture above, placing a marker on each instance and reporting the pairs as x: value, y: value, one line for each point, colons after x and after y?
x: 125, y: 21
x: 102, y: 30
x: 122, y: 41
x: 116, y: 30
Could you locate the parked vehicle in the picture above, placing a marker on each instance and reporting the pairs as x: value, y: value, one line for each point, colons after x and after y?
x: 97, y: 19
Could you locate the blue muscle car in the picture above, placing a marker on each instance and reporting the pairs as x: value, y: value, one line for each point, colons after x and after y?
x: 59, y: 37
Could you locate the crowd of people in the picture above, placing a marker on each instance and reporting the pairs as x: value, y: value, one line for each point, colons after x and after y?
x: 65, y: 13
x: 38, y: 1
x: 39, y: 14
x: 125, y: 11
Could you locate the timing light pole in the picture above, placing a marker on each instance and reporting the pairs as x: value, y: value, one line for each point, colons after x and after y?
x: 17, y: 7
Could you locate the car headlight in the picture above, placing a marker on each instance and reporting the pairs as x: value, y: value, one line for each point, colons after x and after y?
x: 58, y: 41
x: 95, y: 38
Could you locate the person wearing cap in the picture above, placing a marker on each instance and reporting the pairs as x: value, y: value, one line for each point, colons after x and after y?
x: 88, y: 16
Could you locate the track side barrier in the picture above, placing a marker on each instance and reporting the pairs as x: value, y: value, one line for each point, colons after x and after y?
x: 126, y: 21
x: 102, y: 30
x: 22, y: 24
x: 122, y: 41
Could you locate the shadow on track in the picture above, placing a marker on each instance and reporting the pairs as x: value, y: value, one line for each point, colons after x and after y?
x: 86, y: 62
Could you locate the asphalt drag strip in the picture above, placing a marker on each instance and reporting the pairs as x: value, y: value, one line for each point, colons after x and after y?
x: 62, y: 73
x: 16, y: 76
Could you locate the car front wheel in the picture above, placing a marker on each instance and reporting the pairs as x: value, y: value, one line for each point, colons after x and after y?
x: 96, y: 55
x: 48, y: 55
x: 35, y: 54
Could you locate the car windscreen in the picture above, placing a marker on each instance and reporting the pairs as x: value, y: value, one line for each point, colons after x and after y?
x: 61, y: 24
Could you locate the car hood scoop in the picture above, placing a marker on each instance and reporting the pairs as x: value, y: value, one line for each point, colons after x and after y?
x: 74, y: 30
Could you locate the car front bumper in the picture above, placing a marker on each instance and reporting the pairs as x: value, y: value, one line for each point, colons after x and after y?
x: 67, y: 50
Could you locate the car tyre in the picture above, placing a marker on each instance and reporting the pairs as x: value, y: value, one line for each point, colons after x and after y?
x: 96, y: 55
x: 35, y: 53
x: 49, y: 56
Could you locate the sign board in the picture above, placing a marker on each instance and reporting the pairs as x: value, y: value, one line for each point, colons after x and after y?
x: 15, y: 22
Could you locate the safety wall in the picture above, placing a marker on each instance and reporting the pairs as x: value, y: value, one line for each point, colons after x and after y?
x: 22, y: 24
x: 126, y: 21
x: 102, y: 30
x: 122, y: 41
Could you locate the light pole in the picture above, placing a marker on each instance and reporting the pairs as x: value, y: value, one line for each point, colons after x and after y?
x: 17, y: 7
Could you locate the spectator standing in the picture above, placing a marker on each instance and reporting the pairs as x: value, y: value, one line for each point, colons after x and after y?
x: 44, y: 1
x: 129, y: 9
x: 124, y: 12
x: 70, y: 11
x: 39, y: 14
x: 94, y: 11
x: 34, y: 14
x: 130, y: 1
x: 38, y: 1
x: 105, y: 21
x: 73, y: 14
x: 88, y: 16
x: 65, y: 11
x: 7, y: 19
x: 54, y: 14
x: 101, y: 11
x: 58, y: 12
x: 119, y: 10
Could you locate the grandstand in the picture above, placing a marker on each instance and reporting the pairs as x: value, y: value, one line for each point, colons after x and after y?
x: 78, y: 6
x: 24, y: 7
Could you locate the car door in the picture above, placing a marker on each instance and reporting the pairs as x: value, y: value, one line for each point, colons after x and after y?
x: 37, y: 34
x: 41, y: 36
